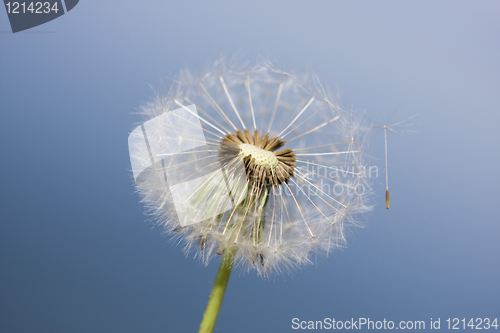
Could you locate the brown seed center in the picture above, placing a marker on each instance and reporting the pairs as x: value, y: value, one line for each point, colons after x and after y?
x: 264, y: 165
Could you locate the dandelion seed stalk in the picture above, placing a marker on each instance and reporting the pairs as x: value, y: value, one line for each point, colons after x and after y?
x: 218, y: 291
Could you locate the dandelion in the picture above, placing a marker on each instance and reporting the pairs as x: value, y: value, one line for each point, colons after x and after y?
x: 254, y: 163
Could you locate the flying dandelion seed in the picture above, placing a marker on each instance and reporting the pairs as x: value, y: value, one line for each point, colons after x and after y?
x: 387, y: 199
x: 270, y: 166
x: 392, y: 128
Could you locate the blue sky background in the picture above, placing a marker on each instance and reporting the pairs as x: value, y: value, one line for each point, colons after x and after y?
x: 76, y: 251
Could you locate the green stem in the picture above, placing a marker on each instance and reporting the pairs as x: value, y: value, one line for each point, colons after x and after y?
x: 218, y: 290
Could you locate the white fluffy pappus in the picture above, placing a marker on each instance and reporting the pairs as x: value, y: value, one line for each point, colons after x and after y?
x: 272, y: 168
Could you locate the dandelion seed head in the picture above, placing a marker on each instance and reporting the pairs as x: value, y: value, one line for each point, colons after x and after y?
x: 274, y: 168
